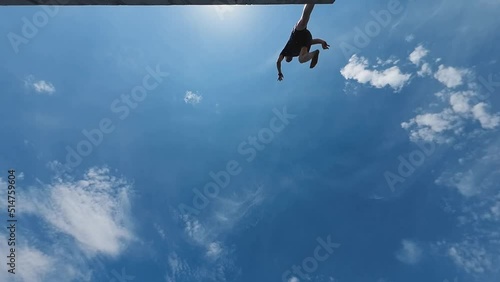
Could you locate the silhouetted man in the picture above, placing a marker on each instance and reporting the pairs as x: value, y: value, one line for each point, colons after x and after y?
x: 300, y: 43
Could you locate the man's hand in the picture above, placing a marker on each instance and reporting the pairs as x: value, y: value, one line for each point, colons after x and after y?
x: 325, y: 45
x: 278, y: 65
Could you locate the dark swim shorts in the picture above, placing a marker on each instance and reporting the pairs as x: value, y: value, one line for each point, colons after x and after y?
x: 298, y: 39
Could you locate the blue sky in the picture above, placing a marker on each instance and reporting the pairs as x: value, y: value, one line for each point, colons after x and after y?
x: 379, y: 165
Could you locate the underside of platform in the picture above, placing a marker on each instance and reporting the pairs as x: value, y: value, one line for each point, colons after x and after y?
x: 161, y: 2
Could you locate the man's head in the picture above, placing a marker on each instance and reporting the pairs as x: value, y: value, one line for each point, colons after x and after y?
x: 288, y: 59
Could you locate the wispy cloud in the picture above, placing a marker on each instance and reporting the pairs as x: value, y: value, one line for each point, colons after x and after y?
x: 178, y: 269
x: 471, y: 257
x: 410, y: 252
x: 463, y: 181
x: 409, y: 38
x: 214, y: 249
x: 390, y: 61
x: 36, y: 265
x: 207, y: 232
x: 475, y: 194
x: 60, y: 257
x: 40, y: 86
x: 192, y: 98
x: 425, y: 70
x: 160, y: 231
x: 94, y: 211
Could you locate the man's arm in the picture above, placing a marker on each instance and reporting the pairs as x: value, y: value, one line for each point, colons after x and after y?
x: 320, y: 41
x: 317, y: 41
x: 278, y: 65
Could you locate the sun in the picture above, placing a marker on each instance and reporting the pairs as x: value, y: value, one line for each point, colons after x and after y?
x: 226, y: 18
x: 223, y: 11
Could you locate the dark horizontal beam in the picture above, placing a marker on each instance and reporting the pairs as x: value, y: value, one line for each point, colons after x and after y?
x: 159, y: 2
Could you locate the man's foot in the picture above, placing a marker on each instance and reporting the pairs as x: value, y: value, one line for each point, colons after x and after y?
x: 314, y: 60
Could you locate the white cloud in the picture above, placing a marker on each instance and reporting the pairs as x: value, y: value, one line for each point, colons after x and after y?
x: 57, y: 167
x: 175, y: 263
x: 93, y: 211
x: 470, y: 257
x: 40, y: 86
x: 477, y: 175
x: 410, y: 253
x: 43, y: 86
x: 417, y: 55
x: 35, y: 267
x: 227, y: 212
x: 487, y: 120
x: 390, y: 61
x: 410, y: 38
x: 436, y: 122
x: 459, y: 103
x: 214, y: 249
x: 160, y: 231
x: 476, y: 178
x: 56, y: 259
x: 457, y: 111
x: 192, y: 98
x: 206, y: 233
x: 195, y: 230
x: 431, y: 126
x: 464, y: 182
x: 293, y: 279
x: 357, y: 69
x: 178, y: 268
x: 213, y: 269
x: 37, y: 264
x: 425, y: 70
x: 351, y: 87
x: 495, y: 211
x: 450, y: 76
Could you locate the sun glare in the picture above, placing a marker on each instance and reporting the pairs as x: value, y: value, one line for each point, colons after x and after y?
x: 225, y: 18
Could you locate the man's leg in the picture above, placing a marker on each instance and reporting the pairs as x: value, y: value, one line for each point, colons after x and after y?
x: 304, y: 19
x: 306, y: 56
